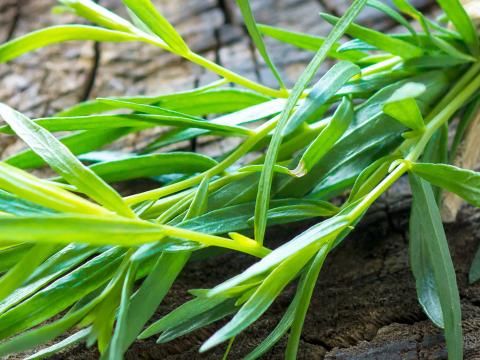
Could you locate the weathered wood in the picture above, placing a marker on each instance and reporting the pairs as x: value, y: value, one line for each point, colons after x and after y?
x: 364, y: 306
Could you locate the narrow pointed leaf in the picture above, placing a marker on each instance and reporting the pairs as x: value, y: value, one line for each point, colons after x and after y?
x: 379, y: 40
x: 63, y: 161
x: 322, y: 144
x: 266, y: 177
x: 312, y: 109
x: 157, y: 23
x: 58, y: 34
x: 465, y: 183
x: 433, y: 267
x: 252, y: 28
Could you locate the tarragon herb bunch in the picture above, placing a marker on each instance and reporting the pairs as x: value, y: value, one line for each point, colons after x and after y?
x: 75, y: 252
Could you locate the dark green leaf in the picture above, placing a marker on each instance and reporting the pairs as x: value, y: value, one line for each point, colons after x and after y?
x: 322, y: 144
x: 312, y: 109
x: 432, y: 265
x: 266, y: 177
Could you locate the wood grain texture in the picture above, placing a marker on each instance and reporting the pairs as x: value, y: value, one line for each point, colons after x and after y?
x: 364, y: 306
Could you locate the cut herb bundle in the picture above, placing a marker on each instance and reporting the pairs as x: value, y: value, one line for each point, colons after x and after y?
x: 72, y: 245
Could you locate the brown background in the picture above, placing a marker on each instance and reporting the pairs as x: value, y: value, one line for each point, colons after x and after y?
x: 364, y: 306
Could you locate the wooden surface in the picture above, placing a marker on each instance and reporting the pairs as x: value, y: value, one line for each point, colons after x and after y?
x: 364, y: 306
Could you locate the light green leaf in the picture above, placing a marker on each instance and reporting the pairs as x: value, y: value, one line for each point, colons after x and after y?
x: 58, y: 34
x: 157, y: 23
x: 65, y: 229
x: 38, y: 191
x: 97, y: 14
x: 403, y: 107
x: 464, y: 183
x: 24, y: 268
x: 143, y: 166
x: 63, y: 161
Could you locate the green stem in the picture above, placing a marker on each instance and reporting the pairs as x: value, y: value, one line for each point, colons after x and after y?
x: 251, y: 248
x: 437, y: 120
x: 245, y: 147
x: 234, y: 77
x: 220, y: 70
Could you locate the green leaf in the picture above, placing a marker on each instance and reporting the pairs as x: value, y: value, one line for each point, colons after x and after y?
x: 261, y: 299
x: 58, y: 34
x: 246, y: 115
x: 17, y: 206
x: 61, y: 345
x: 157, y: 23
x: 57, y: 265
x: 82, y: 281
x: 181, y: 315
x: 146, y: 300
x: 308, y: 42
x: 239, y: 217
x: 312, y: 109
x: 462, y: 22
x: 266, y: 177
x: 256, y: 37
x: 210, y: 101
x: 63, y: 161
x: 292, y: 213
x: 321, y: 233
x: 200, y: 200
x: 322, y: 144
x: 379, y: 40
x: 433, y: 267
x: 89, y: 277
x: 46, y: 194
x: 24, y: 268
x: 403, y: 107
x: 65, y: 229
x: 143, y: 166
x: 386, y: 9
x: 370, y: 177
x: 277, y: 333
x: 464, y: 183
x: 78, y: 143
x: 10, y: 255
x: 198, y: 321
x: 474, y: 273
x: 305, y: 295
x: 435, y: 152
x: 95, y: 13
x: 92, y: 122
